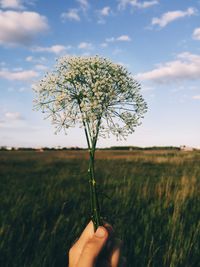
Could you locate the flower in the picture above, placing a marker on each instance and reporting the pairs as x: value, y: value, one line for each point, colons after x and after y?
x: 93, y: 92
x: 97, y: 94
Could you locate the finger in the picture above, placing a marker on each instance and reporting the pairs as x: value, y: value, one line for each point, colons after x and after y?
x: 76, y: 249
x: 115, y: 258
x: 93, y: 248
x: 109, y: 228
x: 86, y: 235
x: 109, y: 243
x: 116, y: 253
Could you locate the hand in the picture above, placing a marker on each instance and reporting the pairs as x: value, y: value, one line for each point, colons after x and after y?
x: 95, y: 249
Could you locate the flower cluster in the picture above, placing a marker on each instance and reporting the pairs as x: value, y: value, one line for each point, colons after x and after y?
x: 93, y: 92
x: 97, y: 94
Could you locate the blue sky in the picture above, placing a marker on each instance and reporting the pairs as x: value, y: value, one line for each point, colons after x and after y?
x: 157, y: 40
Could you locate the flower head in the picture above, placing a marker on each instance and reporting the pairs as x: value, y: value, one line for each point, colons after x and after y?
x: 94, y: 92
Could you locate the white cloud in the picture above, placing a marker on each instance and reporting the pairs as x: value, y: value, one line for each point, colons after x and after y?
x: 196, y: 97
x: 29, y: 59
x: 124, y: 38
x: 71, y: 14
x: 24, y: 75
x: 110, y: 40
x: 74, y: 13
x: 121, y: 38
x: 10, y: 120
x: 22, y: 89
x: 35, y: 59
x: 138, y: 4
x: 85, y: 45
x: 20, y: 27
x: 13, y: 116
x: 196, y: 34
x: 19, y: 89
x: 16, y: 4
x: 83, y: 4
x: 17, y: 69
x: 56, y: 49
x: 105, y: 11
x: 147, y: 4
x: 185, y: 67
x: 41, y: 67
x: 170, y: 16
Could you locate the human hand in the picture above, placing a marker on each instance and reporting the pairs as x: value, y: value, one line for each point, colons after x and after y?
x: 95, y: 249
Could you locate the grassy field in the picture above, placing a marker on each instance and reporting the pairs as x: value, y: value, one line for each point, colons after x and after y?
x: 152, y: 198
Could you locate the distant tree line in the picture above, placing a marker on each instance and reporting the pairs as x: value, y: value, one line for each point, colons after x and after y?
x: 130, y: 148
x: 5, y: 148
x: 141, y: 148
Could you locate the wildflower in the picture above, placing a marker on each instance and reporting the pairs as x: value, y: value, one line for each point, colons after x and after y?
x: 97, y: 94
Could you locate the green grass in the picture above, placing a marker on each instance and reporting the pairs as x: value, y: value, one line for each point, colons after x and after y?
x: 152, y: 198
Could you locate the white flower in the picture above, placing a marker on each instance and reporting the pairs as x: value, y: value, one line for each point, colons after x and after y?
x: 94, y: 92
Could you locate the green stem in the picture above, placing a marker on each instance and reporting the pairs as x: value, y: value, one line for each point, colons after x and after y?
x: 93, y: 193
x: 89, y: 143
x: 95, y: 210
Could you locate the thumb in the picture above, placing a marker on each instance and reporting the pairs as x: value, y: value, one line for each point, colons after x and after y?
x: 93, y: 248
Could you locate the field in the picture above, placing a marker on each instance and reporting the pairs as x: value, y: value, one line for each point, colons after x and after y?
x: 152, y: 198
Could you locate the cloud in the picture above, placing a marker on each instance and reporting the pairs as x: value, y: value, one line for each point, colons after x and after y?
x: 196, y: 97
x: 38, y: 64
x: 138, y: 4
x: 124, y: 38
x: 19, y: 89
x: 24, y: 75
x: 13, y: 116
x: 185, y: 67
x: 12, y: 120
x: 147, y: 4
x: 16, y: 4
x: 35, y: 59
x: 105, y: 11
x: 20, y: 27
x: 29, y: 59
x: 170, y: 16
x: 71, y: 14
x: 85, y: 45
x: 56, y: 49
x: 22, y: 89
x: 110, y: 40
x: 83, y: 4
x: 102, y: 13
x: 121, y: 38
x: 41, y: 67
x: 196, y: 34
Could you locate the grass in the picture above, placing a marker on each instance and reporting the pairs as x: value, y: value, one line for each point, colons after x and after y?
x: 152, y: 198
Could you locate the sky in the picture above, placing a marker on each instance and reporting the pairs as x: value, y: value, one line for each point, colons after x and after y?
x: 158, y: 41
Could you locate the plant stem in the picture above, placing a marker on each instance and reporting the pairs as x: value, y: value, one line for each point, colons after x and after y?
x: 95, y: 210
x: 93, y: 192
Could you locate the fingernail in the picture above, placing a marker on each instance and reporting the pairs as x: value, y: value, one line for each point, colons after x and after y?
x: 100, y: 232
